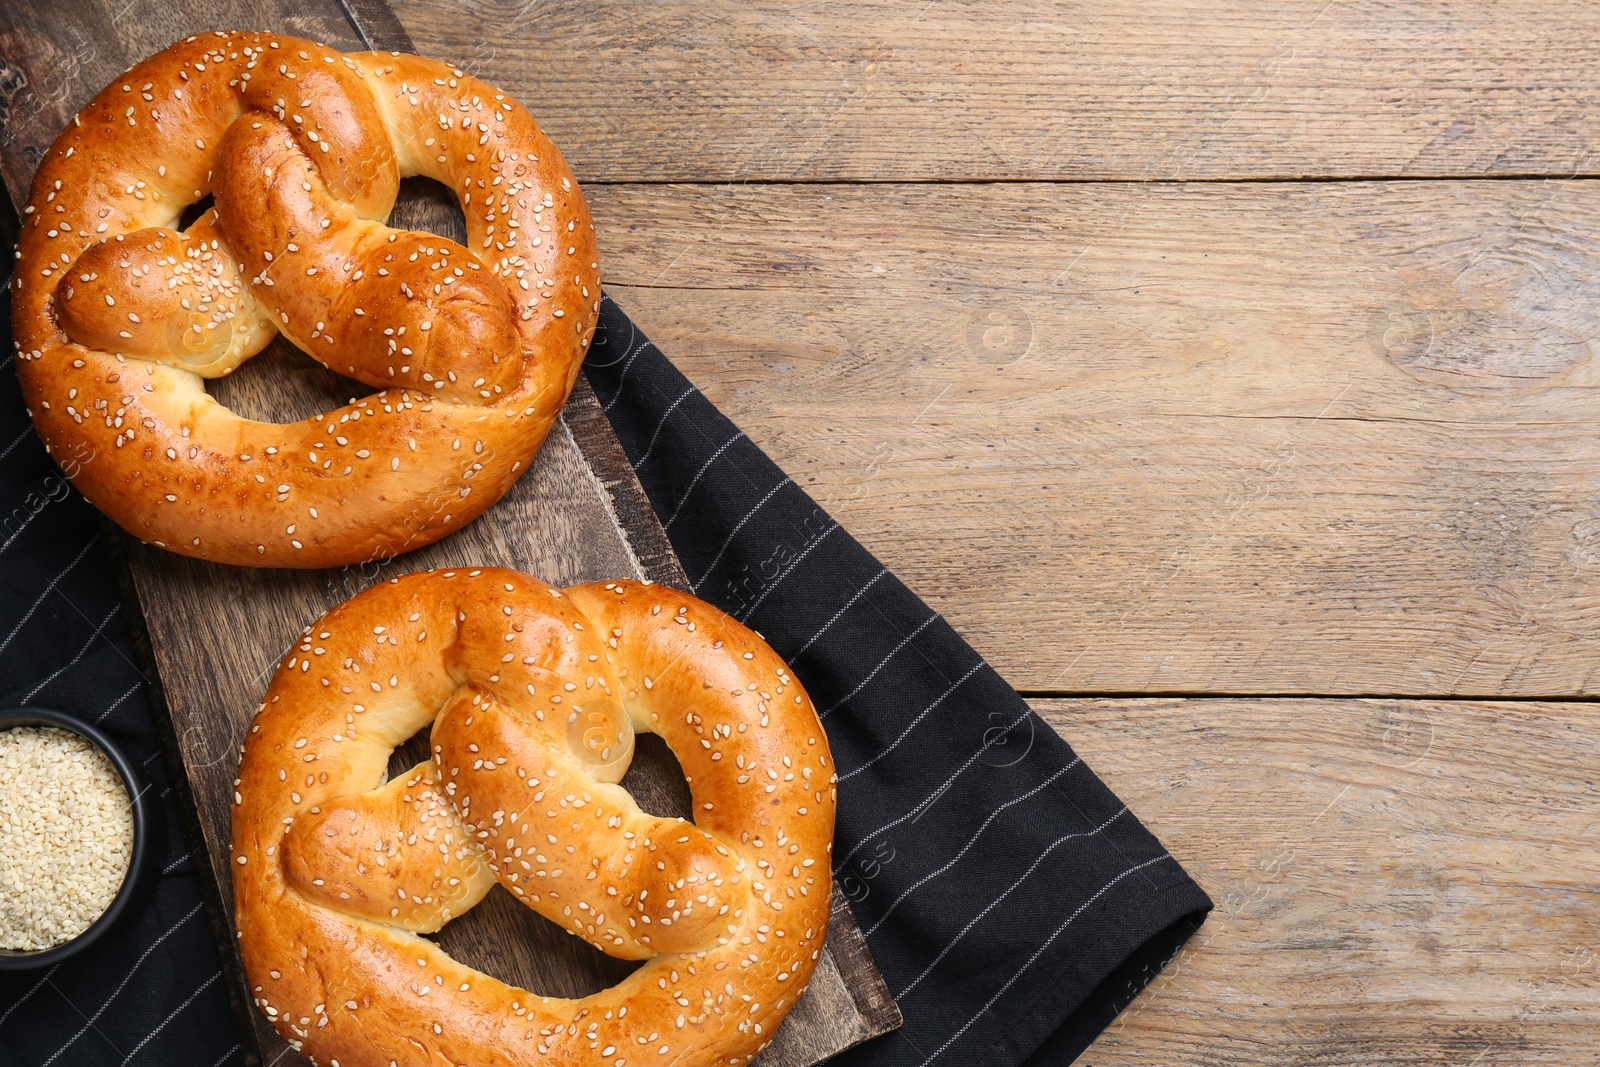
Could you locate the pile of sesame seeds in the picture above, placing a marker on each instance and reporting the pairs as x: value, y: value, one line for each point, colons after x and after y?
x: 66, y: 836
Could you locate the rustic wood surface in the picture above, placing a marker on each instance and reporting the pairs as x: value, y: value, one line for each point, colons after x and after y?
x: 716, y: 90
x: 578, y: 515
x: 1240, y: 436
x: 1397, y: 881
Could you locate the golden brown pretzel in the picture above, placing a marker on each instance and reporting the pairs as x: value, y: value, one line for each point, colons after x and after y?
x: 533, y: 693
x: 117, y: 316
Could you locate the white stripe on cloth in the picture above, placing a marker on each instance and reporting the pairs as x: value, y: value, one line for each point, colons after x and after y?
x: 922, y: 808
x: 881, y: 664
x: 36, y: 987
x: 823, y: 536
x: 660, y: 425
x: 632, y: 354
x: 98, y: 630
x: 175, y: 864
x: 84, y: 551
x: 940, y: 699
x: 684, y: 499
x: 993, y: 815
x: 1051, y: 847
x: 859, y: 593
x: 694, y: 587
x: 115, y: 703
x: 121, y: 985
x: 1039, y: 952
x: 151, y: 1035
x: 18, y: 532
x: 15, y: 441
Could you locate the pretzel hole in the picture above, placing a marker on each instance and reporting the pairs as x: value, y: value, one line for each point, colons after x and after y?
x: 282, y: 385
x: 409, y: 753
x: 509, y: 941
x: 655, y: 779
x: 425, y: 204
x: 192, y: 213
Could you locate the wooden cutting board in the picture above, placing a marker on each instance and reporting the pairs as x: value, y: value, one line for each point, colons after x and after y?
x: 212, y: 635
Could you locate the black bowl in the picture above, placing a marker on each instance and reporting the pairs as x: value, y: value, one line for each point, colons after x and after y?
x: 144, y: 867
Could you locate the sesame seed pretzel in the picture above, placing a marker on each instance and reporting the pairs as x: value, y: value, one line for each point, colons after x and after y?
x: 118, y: 316
x: 533, y: 694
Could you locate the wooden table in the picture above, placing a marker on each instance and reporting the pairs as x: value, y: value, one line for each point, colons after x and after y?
x: 1224, y: 373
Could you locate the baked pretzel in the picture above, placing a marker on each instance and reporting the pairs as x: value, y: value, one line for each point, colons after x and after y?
x: 533, y: 694
x: 117, y: 316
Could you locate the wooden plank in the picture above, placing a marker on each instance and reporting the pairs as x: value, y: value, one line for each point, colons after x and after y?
x: 1231, y: 438
x: 1039, y: 89
x: 577, y: 515
x: 1397, y: 882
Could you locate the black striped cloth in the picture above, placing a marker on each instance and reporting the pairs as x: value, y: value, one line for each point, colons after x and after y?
x: 1012, y: 902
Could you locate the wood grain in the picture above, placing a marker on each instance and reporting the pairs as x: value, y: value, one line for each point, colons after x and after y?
x: 577, y: 515
x: 720, y: 91
x: 1397, y: 882
x: 1234, y: 438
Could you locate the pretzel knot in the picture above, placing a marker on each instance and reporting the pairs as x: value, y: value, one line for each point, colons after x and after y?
x: 118, y: 316
x: 533, y: 694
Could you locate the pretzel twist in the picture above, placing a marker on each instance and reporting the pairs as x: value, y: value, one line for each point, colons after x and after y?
x: 533, y: 694
x: 118, y: 316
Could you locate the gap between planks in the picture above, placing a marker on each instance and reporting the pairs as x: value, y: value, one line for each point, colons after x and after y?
x: 1329, y: 179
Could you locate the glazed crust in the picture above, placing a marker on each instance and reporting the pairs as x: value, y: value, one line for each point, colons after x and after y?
x: 118, y: 316
x: 532, y: 693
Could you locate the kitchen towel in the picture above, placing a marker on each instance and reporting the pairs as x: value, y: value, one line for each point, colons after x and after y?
x: 1013, y: 903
